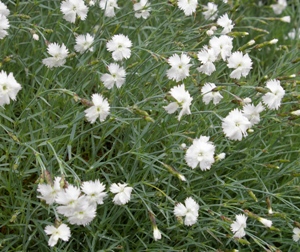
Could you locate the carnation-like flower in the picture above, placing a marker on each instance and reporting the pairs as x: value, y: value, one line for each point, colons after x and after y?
x: 109, y: 7
x: 239, y: 225
x: 49, y: 192
x: 179, y: 67
x: 201, y: 153
x: 241, y: 63
x: 71, y: 8
x: 211, y: 11
x: 156, y: 233
x: 142, y: 9
x: 4, y: 10
x: 222, y: 46
x: 117, y: 76
x: 9, y: 88
x: 226, y: 23
x: 62, y: 232
x: 189, y: 210
x: 252, y: 112
x: 235, y: 125
x: 188, y: 6
x: 84, y: 43
x: 4, y: 25
x: 209, y: 94
x: 119, y: 46
x: 100, y: 109
x: 265, y: 222
x: 279, y: 7
x: 273, y: 99
x: 207, y: 56
x: 69, y: 199
x: 296, y: 235
x: 123, y: 193
x: 183, y: 100
x: 94, y: 191
x: 58, y: 53
x: 83, y: 213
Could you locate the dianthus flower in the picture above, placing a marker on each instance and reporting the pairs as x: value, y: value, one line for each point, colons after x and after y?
x: 179, y: 67
x: 109, y: 7
x: 122, y: 191
x: 189, y: 210
x: 279, y: 7
x: 4, y: 25
x: 296, y: 235
x: 117, y: 76
x: 71, y: 8
x: 9, y: 88
x: 201, y: 153
x: 4, y: 10
x: 207, y: 56
x: 188, y: 6
x: 211, y: 11
x: 226, y: 23
x: 62, y: 232
x: 235, y: 125
x: 222, y: 46
x: 142, y: 9
x: 100, y: 109
x: 119, y: 45
x: 94, y: 190
x: 209, y: 94
x: 239, y: 225
x: 84, y: 43
x: 49, y: 192
x: 273, y: 99
x: 241, y: 63
x: 58, y: 53
x: 252, y: 112
x: 183, y: 100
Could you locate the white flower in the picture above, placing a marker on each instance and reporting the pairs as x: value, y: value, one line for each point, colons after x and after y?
x: 209, y: 94
x: 4, y: 25
x: 142, y: 9
x: 220, y: 157
x: 156, y: 233
x: 119, y: 45
x: 235, y: 125
x: 183, y: 100
x: 71, y: 8
x: 188, y: 6
x: 226, y: 23
x: 279, y: 7
x: 292, y: 34
x: 273, y: 99
x: 207, y: 56
x: 241, y: 63
x: 94, y: 191
x: 266, y: 222
x: 58, y: 53
x: 222, y: 46
x: 211, y: 11
x: 69, y: 199
x: 62, y: 232
x: 49, y: 192
x: 296, y: 112
x: 296, y: 235
x: 238, y: 226
x: 83, y: 213
x: 117, y: 76
x: 286, y: 19
x: 91, y: 3
x: 179, y: 67
x: 109, y: 7
x: 123, y: 193
x: 252, y: 112
x: 35, y: 36
x: 4, y: 10
x: 9, y: 88
x: 84, y: 43
x: 189, y: 210
x: 100, y: 109
x: 201, y: 153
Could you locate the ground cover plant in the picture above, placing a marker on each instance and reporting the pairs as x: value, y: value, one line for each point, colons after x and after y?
x: 149, y: 125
